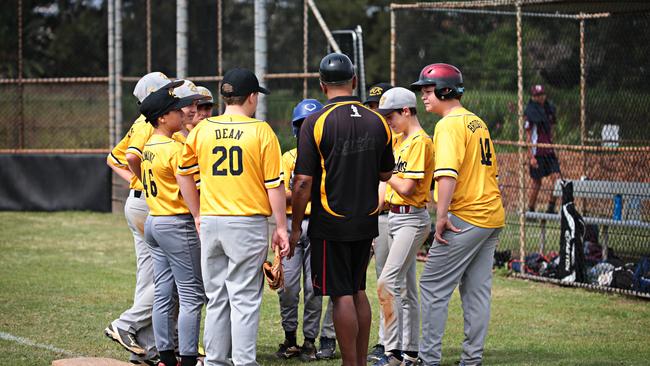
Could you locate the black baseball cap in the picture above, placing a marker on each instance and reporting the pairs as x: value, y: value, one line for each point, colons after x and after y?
x: 240, y: 82
x: 376, y: 91
x: 161, y: 102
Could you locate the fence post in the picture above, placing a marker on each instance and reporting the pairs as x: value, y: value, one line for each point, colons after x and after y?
x: 305, y: 46
x: 219, y: 52
x: 118, y: 70
x: 111, y: 73
x: 21, y: 101
x: 522, y: 161
x: 181, y: 39
x: 393, y: 40
x: 260, y: 53
x: 148, y: 11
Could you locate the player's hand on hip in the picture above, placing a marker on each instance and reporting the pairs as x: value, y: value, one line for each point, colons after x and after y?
x: 293, y: 241
x: 443, y: 224
x: 280, y: 240
x: 533, y: 162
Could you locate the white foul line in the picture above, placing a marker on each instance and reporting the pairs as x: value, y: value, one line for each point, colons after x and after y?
x: 28, y: 342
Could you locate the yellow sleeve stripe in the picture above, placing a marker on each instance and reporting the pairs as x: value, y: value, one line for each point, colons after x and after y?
x: 272, y: 183
x: 445, y: 172
x: 135, y: 151
x: 187, y: 170
x: 116, y: 161
x: 413, y: 175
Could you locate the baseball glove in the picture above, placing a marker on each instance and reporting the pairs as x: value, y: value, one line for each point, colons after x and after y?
x: 273, y: 272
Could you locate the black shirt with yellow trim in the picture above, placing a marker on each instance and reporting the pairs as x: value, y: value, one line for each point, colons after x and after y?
x: 344, y: 147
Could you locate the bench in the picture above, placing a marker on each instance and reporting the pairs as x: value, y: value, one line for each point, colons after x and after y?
x: 631, y: 193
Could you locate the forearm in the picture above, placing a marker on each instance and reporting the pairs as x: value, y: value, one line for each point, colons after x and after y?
x: 299, y: 199
x: 288, y: 197
x: 403, y: 186
x: 122, y: 173
x: 277, y: 199
x: 190, y: 193
x: 134, y: 164
x: 446, y: 186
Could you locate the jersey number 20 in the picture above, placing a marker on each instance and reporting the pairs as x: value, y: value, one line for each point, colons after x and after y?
x: 233, y: 155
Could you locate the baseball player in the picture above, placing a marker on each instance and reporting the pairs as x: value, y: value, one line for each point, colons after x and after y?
x: 133, y: 328
x: 469, y: 217
x: 140, y: 137
x: 343, y: 143
x: 407, y: 194
x: 239, y: 161
x: 380, y: 245
x: 298, y: 264
x: 203, y: 107
x: 171, y: 234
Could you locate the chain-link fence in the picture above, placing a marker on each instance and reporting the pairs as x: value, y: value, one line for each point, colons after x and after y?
x: 54, y: 88
x: 591, y: 62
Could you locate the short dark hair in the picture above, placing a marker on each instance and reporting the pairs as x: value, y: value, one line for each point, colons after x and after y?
x: 413, y: 111
x: 235, y: 100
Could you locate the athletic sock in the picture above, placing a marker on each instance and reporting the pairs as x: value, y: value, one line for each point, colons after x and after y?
x: 169, y: 358
x: 290, y: 337
x: 188, y: 360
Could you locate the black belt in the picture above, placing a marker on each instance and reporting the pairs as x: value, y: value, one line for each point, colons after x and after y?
x: 137, y: 194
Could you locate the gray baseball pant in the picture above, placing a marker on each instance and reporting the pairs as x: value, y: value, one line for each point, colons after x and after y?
x: 176, y: 253
x: 233, y: 249
x: 380, y: 249
x: 467, y: 260
x: 397, y: 292
x: 137, y: 319
x: 327, y: 328
x: 290, y: 294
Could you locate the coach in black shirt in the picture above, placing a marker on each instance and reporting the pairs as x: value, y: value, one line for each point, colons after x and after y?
x: 343, y: 152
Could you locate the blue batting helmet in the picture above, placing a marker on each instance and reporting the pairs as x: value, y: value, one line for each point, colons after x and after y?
x: 302, y: 110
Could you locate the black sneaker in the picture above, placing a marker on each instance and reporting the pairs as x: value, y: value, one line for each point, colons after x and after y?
x: 126, y: 339
x: 308, y: 352
x: 376, y: 353
x: 410, y: 361
x: 327, y: 348
x: 287, y: 350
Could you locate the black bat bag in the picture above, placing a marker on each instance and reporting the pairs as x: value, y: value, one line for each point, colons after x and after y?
x: 572, y: 232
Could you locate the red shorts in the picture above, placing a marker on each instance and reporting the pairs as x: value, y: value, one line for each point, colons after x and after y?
x: 338, y: 268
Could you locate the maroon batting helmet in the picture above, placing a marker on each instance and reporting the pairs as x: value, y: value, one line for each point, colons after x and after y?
x: 446, y: 78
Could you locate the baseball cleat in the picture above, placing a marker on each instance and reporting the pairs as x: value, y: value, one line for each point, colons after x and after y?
x: 376, y: 353
x: 287, y: 350
x: 410, y: 361
x: 124, y: 338
x: 308, y: 352
x: 387, y: 360
x: 327, y: 348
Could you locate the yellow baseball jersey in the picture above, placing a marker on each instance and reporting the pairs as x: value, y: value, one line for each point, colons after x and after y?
x: 464, y: 151
x: 288, y: 165
x: 159, y: 165
x: 413, y: 160
x: 238, y: 159
x: 138, y: 135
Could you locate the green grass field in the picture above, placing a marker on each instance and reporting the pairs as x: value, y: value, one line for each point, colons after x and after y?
x: 65, y: 276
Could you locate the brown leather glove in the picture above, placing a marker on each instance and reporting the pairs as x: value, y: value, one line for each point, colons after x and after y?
x: 273, y: 272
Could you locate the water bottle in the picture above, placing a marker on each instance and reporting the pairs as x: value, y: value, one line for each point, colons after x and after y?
x: 618, y: 207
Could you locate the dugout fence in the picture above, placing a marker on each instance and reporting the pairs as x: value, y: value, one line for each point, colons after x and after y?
x: 591, y: 59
